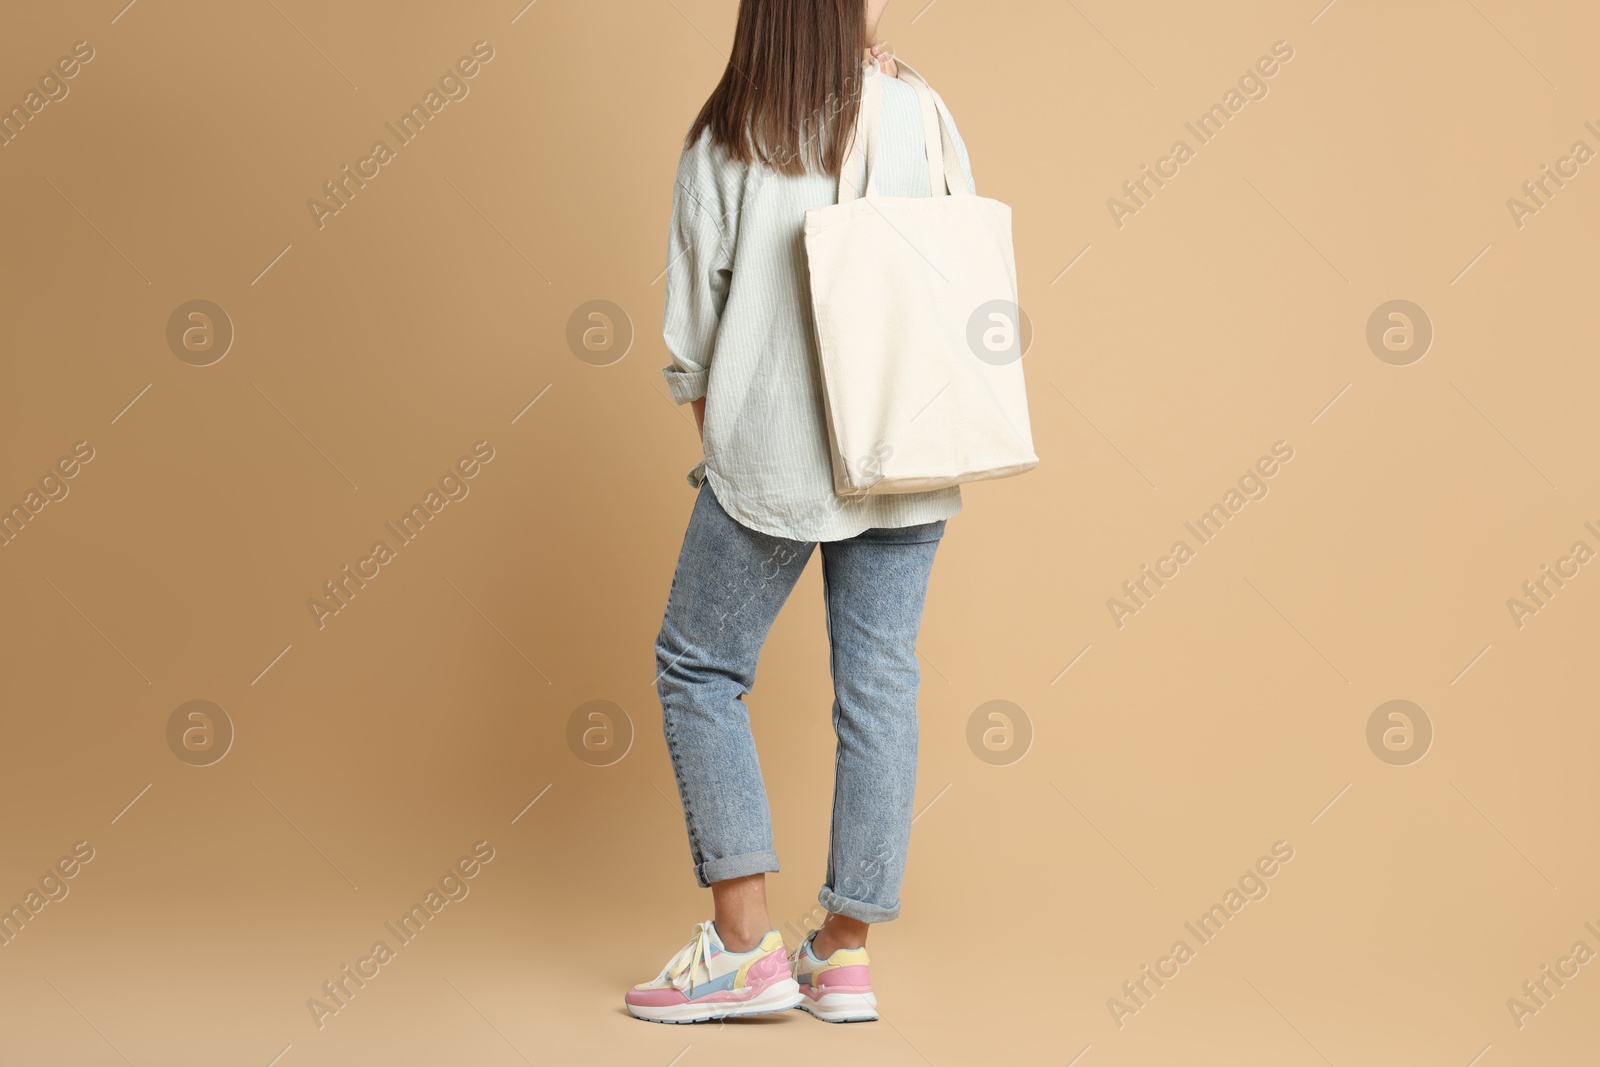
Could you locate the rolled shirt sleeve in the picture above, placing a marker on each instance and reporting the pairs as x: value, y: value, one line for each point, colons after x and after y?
x: 697, y: 279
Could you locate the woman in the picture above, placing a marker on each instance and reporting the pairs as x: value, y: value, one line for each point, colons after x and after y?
x: 767, y: 146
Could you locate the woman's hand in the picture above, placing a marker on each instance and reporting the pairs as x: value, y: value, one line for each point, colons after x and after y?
x: 885, y: 60
x: 699, y: 406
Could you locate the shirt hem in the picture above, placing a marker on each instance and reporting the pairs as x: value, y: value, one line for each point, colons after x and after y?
x: 946, y: 504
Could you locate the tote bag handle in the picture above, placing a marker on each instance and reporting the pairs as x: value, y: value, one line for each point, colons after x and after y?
x: 944, y: 166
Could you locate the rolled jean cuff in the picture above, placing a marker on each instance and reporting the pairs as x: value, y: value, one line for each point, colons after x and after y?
x: 762, y: 862
x: 856, y: 909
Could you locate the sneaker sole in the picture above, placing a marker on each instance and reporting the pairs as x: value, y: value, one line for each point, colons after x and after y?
x: 779, y: 996
x: 841, y: 1007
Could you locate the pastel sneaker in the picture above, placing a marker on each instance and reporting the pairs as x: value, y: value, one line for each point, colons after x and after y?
x: 835, y: 990
x: 705, y: 981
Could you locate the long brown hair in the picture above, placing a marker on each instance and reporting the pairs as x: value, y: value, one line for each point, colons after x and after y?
x: 791, y: 91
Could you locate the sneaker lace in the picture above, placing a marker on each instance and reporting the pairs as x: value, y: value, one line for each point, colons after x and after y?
x: 799, y: 951
x: 690, y: 962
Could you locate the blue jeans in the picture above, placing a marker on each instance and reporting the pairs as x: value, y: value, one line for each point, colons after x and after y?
x: 729, y: 584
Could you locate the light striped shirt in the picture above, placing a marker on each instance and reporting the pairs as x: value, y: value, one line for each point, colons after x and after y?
x: 739, y: 328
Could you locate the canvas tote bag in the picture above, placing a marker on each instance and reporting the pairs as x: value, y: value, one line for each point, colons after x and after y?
x: 915, y: 303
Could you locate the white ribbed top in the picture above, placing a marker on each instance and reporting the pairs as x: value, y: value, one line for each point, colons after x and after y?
x: 739, y: 327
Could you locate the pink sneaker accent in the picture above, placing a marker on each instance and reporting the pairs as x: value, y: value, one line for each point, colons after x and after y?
x: 855, y: 978
x: 774, y: 965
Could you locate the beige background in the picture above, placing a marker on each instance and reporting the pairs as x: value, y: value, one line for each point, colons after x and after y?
x: 1230, y: 713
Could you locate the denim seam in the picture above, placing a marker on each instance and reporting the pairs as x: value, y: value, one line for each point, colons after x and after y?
x: 838, y: 749
x: 672, y: 745
x: 683, y: 794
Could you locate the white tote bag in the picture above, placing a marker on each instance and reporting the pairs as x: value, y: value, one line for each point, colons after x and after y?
x: 915, y: 301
